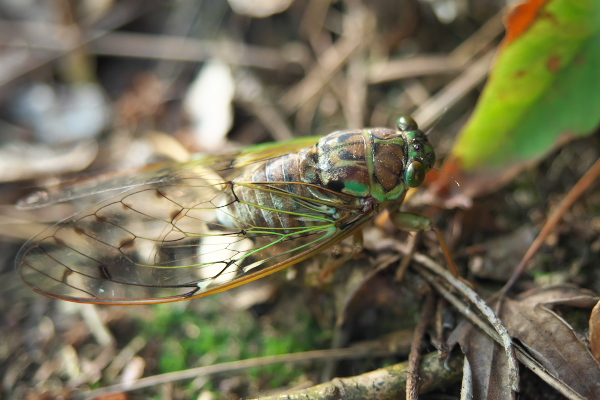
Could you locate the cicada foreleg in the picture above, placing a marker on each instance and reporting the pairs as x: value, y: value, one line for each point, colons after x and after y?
x: 415, y: 223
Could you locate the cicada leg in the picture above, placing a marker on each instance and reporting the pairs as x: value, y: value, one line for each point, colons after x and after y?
x: 414, y: 222
x: 403, y: 267
x: 357, y: 247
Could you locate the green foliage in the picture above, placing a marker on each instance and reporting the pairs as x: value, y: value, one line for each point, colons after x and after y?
x: 188, y: 339
x: 544, y: 86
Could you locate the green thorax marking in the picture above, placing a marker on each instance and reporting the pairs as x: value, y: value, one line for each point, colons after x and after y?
x: 378, y: 161
x: 381, y: 163
x: 354, y: 187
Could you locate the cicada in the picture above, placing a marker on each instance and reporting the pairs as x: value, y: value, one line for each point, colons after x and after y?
x: 192, y: 229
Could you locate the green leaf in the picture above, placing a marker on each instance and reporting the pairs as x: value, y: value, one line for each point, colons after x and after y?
x: 544, y: 88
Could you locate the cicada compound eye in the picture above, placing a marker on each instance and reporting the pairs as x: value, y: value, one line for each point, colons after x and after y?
x: 415, y: 174
x: 406, y: 123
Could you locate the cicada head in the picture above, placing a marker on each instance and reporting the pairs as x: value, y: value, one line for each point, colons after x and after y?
x: 419, y: 154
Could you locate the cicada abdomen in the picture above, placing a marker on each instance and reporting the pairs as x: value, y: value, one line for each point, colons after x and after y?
x: 205, y: 226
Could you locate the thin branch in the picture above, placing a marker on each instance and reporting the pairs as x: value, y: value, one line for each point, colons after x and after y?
x: 478, y: 302
x: 522, y: 355
x: 347, y: 353
x: 575, y: 193
x: 385, y: 383
x: 414, y: 358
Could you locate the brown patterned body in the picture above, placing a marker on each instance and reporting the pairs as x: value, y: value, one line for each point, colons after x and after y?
x: 346, y: 169
x: 282, y: 188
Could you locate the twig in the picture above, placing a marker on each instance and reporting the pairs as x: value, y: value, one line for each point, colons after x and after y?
x: 478, y: 302
x: 437, y: 339
x: 411, y: 244
x: 143, y: 45
x: 431, y: 64
x: 382, y: 384
x: 412, y: 392
x: 347, y: 353
x: 429, y: 111
x: 123, y: 357
x: 522, y: 355
x: 328, y: 64
x: 123, y: 14
x: 98, y: 328
x: 466, y: 389
x: 581, y: 186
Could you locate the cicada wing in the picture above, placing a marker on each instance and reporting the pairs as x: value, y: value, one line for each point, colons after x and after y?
x: 265, y: 151
x: 111, y: 184
x: 171, y: 241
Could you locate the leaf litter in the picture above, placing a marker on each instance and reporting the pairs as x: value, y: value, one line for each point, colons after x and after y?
x: 531, y: 318
x: 311, y: 93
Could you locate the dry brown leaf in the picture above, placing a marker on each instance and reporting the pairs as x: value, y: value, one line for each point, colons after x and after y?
x: 595, y: 331
x: 499, y: 257
x: 551, y: 339
x: 532, y: 319
x: 488, y: 363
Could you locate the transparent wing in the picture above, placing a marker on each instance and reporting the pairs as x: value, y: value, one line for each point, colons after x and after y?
x: 111, y: 184
x: 185, y: 235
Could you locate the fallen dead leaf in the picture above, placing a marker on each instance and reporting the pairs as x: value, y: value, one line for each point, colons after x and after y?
x: 532, y: 319
x: 595, y: 331
x: 500, y: 256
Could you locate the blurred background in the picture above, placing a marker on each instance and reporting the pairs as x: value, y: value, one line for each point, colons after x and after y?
x: 89, y: 87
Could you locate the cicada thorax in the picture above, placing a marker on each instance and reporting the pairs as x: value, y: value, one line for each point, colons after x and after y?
x: 367, y: 163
